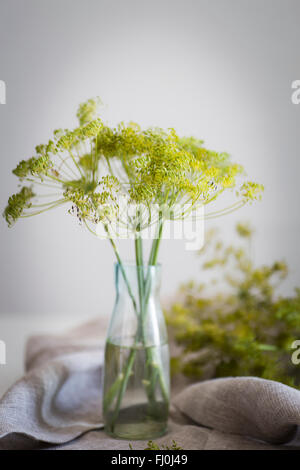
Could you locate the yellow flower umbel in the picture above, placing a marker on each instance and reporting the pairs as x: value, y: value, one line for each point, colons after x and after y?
x: 93, y: 164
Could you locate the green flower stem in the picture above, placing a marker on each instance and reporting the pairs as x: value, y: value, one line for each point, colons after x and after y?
x: 122, y: 270
x: 107, y: 399
x: 155, y: 372
x: 114, y: 389
x: 123, y: 386
x: 64, y: 162
x: 45, y: 185
x: 50, y: 203
x: 141, y: 334
x: 128, y: 366
x: 75, y: 163
x: 56, y: 204
x: 140, y: 275
x: 155, y: 244
x: 222, y: 213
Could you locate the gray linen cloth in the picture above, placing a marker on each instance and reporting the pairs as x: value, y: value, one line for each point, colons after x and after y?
x: 57, y: 404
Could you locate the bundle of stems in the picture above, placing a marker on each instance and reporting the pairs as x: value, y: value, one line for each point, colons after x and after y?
x: 154, y: 367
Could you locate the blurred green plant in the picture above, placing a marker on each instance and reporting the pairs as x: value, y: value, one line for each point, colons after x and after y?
x: 243, y: 329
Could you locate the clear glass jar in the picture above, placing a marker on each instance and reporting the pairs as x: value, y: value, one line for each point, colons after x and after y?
x: 136, y: 369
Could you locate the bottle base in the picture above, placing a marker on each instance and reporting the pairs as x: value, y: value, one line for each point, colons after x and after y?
x: 134, y: 423
x: 131, y: 435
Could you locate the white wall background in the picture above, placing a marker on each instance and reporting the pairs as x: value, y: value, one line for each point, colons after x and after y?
x: 218, y: 69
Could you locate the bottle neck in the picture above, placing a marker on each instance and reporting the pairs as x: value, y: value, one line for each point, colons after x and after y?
x: 137, y: 316
x: 137, y: 280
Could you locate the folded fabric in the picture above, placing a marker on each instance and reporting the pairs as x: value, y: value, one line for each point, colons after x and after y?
x: 57, y: 404
x: 262, y: 409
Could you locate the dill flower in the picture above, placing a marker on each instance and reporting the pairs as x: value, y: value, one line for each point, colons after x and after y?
x: 92, y: 165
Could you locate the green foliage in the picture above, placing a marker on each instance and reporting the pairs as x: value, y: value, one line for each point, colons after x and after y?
x: 242, y: 329
x: 153, y: 446
x: 149, y: 167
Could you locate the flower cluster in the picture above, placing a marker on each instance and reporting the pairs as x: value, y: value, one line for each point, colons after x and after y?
x: 17, y: 203
x: 87, y: 166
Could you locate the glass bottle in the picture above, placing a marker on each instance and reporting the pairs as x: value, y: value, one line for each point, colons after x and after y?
x: 136, y: 370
